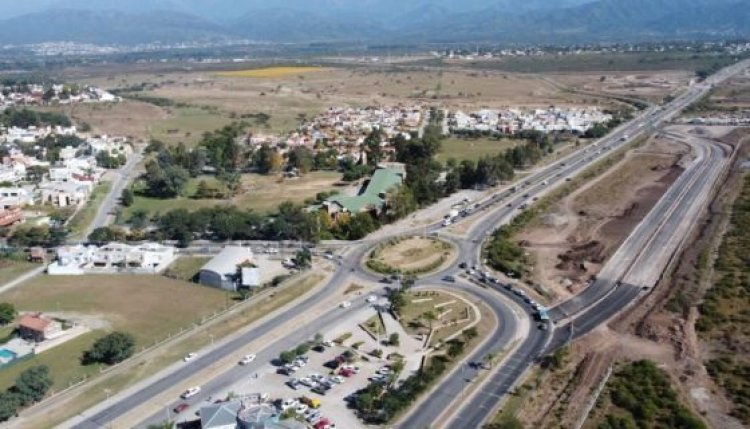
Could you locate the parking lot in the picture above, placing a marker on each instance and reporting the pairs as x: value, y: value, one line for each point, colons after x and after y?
x: 315, y: 379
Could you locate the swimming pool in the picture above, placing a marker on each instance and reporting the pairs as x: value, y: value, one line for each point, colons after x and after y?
x: 7, y: 355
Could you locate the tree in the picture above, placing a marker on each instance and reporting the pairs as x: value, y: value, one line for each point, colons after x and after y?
x: 111, y: 349
x: 288, y: 356
x: 107, y: 234
x: 302, y: 159
x: 165, y: 182
x: 7, y: 313
x: 303, y: 258
x: 32, y: 384
x: 393, y: 339
x: 126, y: 198
x: 267, y: 160
x: 9, y: 403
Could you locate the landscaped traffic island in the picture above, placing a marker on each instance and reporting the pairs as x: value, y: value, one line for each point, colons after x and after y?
x: 411, y: 255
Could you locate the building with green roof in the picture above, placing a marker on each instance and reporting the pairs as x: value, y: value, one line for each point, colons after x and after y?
x: 371, y: 199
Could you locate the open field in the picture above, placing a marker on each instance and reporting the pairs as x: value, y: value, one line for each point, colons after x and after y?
x: 10, y: 268
x: 165, y: 356
x: 187, y: 124
x: 260, y: 193
x: 650, y: 85
x: 149, y: 307
x: 86, y: 214
x: 269, y: 72
x: 134, y: 119
x: 473, y: 149
x: 572, y: 240
x: 640, y: 61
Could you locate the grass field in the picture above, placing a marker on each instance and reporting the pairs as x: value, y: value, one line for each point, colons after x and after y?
x: 187, y: 125
x: 269, y: 72
x: 160, y: 359
x: 87, y: 213
x: 413, y: 315
x: 186, y: 267
x: 11, y: 268
x: 473, y: 149
x: 260, y: 193
x: 149, y: 307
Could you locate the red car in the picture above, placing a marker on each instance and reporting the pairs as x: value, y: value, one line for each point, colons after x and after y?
x: 180, y: 408
x: 323, y: 424
x: 346, y: 372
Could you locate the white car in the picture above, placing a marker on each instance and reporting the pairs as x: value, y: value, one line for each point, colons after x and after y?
x: 328, y: 343
x: 345, y: 304
x: 371, y: 299
x: 300, y: 408
x: 247, y: 359
x: 316, y: 377
x: 192, y: 391
x: 337, y: 379
x: 189, y: 357
x: 306, y: 381
x: 289, y: 403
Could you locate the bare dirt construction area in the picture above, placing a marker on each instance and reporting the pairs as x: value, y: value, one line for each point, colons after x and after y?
x: 572, y: 240
x: 648, y: 85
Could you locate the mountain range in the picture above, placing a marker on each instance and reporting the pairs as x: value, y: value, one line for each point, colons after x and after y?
x: 377, y: 21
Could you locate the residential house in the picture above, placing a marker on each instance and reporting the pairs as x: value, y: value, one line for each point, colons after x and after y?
x: 15, y: 197
x: 64, y: 194
x: 37, y: 327
x: 112, y: 257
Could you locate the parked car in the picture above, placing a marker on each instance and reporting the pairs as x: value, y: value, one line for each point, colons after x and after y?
x: 300, y: 408
x: 288, y: 403
x: 192, y: 391
x: 371, y: 299
x: 293, y: 383
x: 337, y: 379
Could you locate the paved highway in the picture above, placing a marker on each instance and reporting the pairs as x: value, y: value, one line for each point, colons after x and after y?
x: 498, y: 209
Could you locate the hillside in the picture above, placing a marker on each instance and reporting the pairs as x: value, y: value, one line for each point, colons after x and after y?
x: 391, y: 21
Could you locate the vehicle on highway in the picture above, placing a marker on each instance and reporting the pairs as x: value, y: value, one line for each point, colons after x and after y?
x: 463, y: 265
x: 247, y: 359
x: 192, y: 391
x: 447, y: 222
x: 189, y: 357
x: 345, y: 304
x: 180, y: 408
x: 449, y: 279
